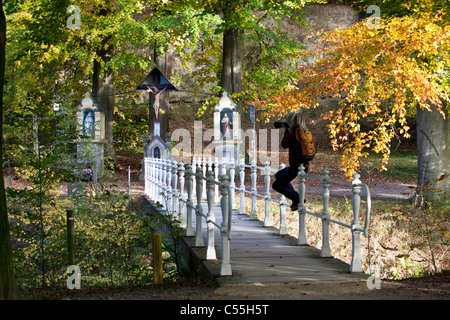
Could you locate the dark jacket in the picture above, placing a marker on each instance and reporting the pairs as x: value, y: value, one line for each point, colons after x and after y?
x: 290, y: 142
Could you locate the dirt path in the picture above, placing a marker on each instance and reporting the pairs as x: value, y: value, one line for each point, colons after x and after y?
x: 428, y: 288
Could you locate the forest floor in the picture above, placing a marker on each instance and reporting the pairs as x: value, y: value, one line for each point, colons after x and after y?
x: 436, y: 287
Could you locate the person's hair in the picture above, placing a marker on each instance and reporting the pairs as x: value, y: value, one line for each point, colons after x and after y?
x: 298, y: 120
x: 289, y: 117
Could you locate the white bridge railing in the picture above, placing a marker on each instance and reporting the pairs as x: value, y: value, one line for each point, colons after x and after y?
x: 166, y: 179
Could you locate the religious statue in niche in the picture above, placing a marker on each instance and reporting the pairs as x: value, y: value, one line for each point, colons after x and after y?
x: 157, y: 93
x: 226, y: 124
x: 157, y: 153
x: 88, y: 123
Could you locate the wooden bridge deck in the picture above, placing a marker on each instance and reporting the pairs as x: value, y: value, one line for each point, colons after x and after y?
x: 259, y: 255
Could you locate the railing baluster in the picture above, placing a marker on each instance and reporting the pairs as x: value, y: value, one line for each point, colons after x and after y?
x: 210, y: 168
x: 162, y: 192
x: 301, y: 208
x: 181, y: 204
x: 242, y: 186
x: 225, y: 267
x: 210, y: 251
x: 216, y: 177
x: 157, y: 178
x: 232, y: 185
x: 169, y: 186
x: 194, y: 170
x: 326, y: 251
x: 267, y: 202
x: 152, y: 178
x: 189, y: 204
x: 175, y: 194
x: 199, y: 209
x: 355, y: 265
x: 204, y: 164
x: 283, y: 226
x: 253, y: 213
x: 146, y: 184
x: 223, y: 167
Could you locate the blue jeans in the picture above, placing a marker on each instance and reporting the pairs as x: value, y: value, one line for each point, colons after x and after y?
x: 282, y: 183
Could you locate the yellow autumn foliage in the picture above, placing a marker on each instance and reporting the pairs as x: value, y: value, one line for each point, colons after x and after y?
x: 381, y: 75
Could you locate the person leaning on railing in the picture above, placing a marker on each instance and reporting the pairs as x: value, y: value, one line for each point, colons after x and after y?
x: 283, y: 177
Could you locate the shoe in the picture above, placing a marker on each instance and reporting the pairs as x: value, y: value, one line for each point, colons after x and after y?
x: 294, y: 206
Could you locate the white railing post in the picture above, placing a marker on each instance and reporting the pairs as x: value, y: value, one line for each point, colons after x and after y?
x: 204, y: 164
x: 169, y: 189
x: 301, y: 208
x: 253, y: 213
x: 242, y: 186
x: 175, y: 194
x: 164, y: 184
x: 146, y: 184
x: 223, y: 167
x: 199, y: 209
x: 355, y: 265
x: 232, y: 184
x: 210, y: 251
x: 216, y: 177
x: 151, y: 178
x: 210, y: 168
x: 162, y: 191
x: 267, y: 202
x: 326, y: 251
x: 189, y: 203
x: 283, y: 226
x: 181, y: 204
x: 157, y: 179
x: 225, y: 267
x: 162, y: 179
x: 194, y: 170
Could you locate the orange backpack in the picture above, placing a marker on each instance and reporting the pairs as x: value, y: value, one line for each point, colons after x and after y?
x: 308, y: 146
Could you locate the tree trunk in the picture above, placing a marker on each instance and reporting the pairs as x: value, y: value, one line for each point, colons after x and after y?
x: 8, y: 287
x: 433, y: 138
x: 232, y: 62
x: 103, y: 94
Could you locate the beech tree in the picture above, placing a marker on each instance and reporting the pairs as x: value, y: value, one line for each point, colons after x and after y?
x: 382, y: 75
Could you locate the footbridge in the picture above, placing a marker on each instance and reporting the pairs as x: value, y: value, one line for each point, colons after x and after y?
x: 225, y: 242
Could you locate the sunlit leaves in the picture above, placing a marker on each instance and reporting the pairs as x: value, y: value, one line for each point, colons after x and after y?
x: 381, y: 76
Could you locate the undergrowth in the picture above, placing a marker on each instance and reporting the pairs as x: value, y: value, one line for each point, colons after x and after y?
x: 112, y: 239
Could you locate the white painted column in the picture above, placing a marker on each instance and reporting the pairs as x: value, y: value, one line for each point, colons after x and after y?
x: 326, y: 251
x: 267, y: 202
x: 355, y: 265
x: 301, y: 208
